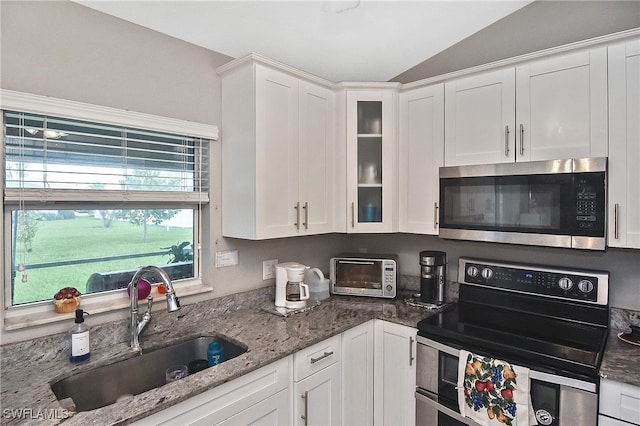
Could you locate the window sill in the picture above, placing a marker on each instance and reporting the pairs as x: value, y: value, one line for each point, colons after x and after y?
x: 43, y: 314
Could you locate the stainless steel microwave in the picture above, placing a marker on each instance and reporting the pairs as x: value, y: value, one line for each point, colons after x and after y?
x: 556, y: 203
x: 373, y: 275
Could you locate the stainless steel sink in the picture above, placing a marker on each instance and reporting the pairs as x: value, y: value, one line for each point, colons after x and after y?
x: 102, y: 386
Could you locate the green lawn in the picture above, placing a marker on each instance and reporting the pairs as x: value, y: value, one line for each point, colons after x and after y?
x: 82, y: 238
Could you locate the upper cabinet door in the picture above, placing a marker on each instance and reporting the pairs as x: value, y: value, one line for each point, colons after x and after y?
x: 316, y: 166
x: 421, y: 153
x: 277, y: 156
x: 479, y: 118
x: 561, y: 107
x: 371, y: 156
x: 624, y: 140
x: 547, y: 109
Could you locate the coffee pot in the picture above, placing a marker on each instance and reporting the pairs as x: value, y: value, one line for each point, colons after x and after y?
x: 291, y: 291
x: 297, y: 292
x: 433, y: 271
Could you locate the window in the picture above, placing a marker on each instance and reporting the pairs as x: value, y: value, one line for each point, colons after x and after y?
x: 87, y: 203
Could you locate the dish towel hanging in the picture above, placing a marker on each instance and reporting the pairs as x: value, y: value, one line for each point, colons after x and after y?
x: 493, y: 392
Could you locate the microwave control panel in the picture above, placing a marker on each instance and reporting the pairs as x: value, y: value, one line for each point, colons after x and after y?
x: 590, y: 204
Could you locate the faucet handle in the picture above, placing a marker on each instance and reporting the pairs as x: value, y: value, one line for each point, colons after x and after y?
x: 149, y: 303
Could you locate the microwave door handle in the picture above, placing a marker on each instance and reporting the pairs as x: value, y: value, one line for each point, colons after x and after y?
x: 355, y: 262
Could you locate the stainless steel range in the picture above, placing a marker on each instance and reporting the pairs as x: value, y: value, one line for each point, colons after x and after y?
x: 551, y: 320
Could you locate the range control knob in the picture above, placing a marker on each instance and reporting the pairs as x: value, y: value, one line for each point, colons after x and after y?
x: 487, y: 273
x: 565, y: 283
x: 472, y: 271
x: 585, y: 286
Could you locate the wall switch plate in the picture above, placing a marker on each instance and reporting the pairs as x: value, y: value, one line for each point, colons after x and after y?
x: 269, y: 269
x: 226, y: 258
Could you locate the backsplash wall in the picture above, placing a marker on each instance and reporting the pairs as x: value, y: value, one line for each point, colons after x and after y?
x: 623, y: 265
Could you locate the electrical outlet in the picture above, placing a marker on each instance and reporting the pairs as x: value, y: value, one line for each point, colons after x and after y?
x: 269, y: 269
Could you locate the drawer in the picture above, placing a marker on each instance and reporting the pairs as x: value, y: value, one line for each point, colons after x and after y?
x: 620, y: 401
x: 314, y: 358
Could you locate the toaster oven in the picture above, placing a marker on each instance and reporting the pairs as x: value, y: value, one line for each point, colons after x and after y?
x: 373, y: 275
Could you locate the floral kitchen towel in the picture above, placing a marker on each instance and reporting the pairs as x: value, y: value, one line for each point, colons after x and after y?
x: 494, y: 392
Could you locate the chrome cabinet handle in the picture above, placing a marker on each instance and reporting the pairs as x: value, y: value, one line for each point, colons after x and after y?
x: 353, y: 215
x: 411, y: 357
x: 321, y: 357
x: 506, y: 141
x: 297, y: 209
x: 305, y: 417
x: 435, y: 216
x: 521, y: 139
x: 306, y: 215
x: 616, y: 217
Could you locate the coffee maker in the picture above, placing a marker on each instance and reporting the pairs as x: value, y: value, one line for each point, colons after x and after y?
x: 291, y: 291
x: 433, y: 275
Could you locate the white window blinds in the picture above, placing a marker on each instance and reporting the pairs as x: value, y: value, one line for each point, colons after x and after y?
x: 53, y: 159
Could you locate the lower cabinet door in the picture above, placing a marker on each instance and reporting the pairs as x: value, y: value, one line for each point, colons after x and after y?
x: 271, y: 411
x: 394, y: 374
x: 317, y: 398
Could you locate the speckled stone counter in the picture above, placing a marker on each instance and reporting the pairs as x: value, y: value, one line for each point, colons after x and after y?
x: 29, y: 368
x: 621, y: 360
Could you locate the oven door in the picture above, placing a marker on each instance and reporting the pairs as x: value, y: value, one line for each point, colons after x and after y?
x: 554, y: 398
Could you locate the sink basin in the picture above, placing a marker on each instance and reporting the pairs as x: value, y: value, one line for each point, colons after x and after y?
x: 102, y: 386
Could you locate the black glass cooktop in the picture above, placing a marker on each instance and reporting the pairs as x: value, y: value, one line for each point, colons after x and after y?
x: 549, y: 344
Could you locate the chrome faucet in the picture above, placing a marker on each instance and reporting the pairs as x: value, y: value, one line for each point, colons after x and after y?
x: 138, y: 325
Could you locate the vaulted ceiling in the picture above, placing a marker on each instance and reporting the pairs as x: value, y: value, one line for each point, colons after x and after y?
x: 336, y: 40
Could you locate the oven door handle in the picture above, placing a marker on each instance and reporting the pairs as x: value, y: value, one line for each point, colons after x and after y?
x: 427, y: 397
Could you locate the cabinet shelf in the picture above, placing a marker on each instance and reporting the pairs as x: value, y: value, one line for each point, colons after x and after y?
x: 369, y: 185
x: 369, y: 135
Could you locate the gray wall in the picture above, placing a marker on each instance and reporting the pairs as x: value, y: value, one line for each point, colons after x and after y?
x: 622, y: 264
x: 537, y: 26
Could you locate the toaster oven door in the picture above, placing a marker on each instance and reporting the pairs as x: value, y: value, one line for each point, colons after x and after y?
x: 360, y: 277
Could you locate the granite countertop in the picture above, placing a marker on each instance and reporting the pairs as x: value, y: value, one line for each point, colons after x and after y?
x: 621, y: 361
x: 28, y: 368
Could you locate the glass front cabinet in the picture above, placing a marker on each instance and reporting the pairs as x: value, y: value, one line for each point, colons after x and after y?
x: 370, y: 160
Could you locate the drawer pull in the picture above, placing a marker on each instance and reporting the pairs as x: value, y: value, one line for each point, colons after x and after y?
x: 320, y: 358
x: 305, y: 417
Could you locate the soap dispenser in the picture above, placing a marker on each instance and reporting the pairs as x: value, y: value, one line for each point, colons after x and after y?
x: 80, y: 348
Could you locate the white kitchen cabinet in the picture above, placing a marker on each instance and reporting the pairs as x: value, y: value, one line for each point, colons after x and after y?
x: 394, y: 374
x: 421, y: 153
x: 254, y: 397
x: 624, y: 145
x: 479, y: 111
x: 357, y: 375
x: 619, y: 403
x: 316, y: 386
x: 317, y: 398
x: 546, y: 109
x: 277, y: 153
x: 273, y: 410
x: 371, y: 158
